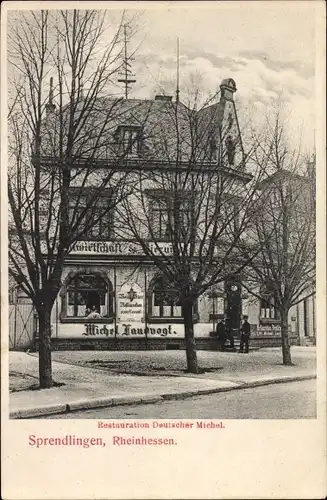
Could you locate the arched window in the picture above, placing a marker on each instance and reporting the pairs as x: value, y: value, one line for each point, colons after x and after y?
x: 86, y: 292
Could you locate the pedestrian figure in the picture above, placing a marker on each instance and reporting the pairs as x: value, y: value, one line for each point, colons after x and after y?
x: 94, y: 314
x: 229, y: 333
x: 245, y: 335
x: 221, y: 334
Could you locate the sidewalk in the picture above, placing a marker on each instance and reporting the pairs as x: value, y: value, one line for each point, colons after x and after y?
x: 86, y: 387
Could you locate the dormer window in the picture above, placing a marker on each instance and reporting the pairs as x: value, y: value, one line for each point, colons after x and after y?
x: 128, y: 138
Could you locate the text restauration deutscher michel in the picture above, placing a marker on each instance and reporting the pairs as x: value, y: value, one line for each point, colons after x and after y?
x: 155, y: 424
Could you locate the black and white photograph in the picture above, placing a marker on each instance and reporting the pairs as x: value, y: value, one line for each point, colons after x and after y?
x: 161, y: 181
x: 161, y: 229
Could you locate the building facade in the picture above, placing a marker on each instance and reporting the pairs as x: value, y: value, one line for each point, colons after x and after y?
x: 112, y: 294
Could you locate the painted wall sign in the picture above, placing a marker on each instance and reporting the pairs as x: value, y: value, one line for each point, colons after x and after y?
x: 118, y: 248
x: 130, y: 303
x: 268, y: 330
x: 128, y: 330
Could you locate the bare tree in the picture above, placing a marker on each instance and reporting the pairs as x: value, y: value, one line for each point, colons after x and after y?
x: 192, y: 208
x: 283, y: 273
x: 61, y: 156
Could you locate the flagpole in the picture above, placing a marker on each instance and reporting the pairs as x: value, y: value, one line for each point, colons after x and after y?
x: 145, y: 309
x: 115, y: 303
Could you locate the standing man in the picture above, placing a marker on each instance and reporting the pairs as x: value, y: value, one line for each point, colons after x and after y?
x: 245, y: 335
x: 221, y: 334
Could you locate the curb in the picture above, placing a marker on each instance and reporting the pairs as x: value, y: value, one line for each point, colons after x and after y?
x: 146, y: 398
x: 37, y: 412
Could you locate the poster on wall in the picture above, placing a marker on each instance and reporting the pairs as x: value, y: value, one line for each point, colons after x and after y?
x: 130, y: 303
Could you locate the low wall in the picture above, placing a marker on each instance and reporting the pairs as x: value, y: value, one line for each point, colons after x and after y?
x: 155, y: 344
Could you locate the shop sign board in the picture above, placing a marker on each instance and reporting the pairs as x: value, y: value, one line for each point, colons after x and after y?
x: 128, y: 330
x: 268, y: 330
x: 130, y: 303
x: 121, y: 248
x: 118, y: 248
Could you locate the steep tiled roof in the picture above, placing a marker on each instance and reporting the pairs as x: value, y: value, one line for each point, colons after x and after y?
x: 158, y: 121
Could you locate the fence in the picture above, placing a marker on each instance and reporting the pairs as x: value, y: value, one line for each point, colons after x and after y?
x: 22, y: 326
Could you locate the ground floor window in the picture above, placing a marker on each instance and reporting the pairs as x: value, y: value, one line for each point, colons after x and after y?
x: 164, y: 301
x: 88, y: 293
x: 268, y: 309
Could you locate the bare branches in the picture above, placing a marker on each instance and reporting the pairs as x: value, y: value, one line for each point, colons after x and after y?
x: 56, y: 129
x: 284, y: 230
x: 191, y: 213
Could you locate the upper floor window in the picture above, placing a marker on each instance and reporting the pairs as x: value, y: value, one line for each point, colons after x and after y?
x: 213, y: 149
x: 91, y: 213
x: 12, y: 298
x: 230, y: 146
x: 159, y: 219
x: 129, y: 140
x: 171, y: 215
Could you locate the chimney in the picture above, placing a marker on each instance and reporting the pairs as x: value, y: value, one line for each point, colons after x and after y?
x: 50, y: 107
x: 163, y: 98
x: 227, y: 88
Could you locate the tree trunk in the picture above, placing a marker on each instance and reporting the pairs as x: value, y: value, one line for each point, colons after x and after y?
x: 286, y: 348
x: 191, y: 357
x: 45, y: 364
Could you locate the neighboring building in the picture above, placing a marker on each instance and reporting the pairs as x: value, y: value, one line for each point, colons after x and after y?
x: 112, y: 275
x: 291, y: 195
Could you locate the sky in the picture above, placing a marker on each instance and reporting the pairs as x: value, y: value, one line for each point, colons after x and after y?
x: 268, y: 48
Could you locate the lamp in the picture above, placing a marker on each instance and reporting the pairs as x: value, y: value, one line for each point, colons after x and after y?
x: 131, y: 294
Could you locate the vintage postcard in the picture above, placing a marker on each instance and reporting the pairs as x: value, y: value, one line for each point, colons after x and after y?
x: 163, y: 251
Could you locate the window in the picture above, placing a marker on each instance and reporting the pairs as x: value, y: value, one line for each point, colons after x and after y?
x: 171, y: 213
x: 129, y: 140
x: 230, y: 146
x: 165, y: 303
x: 86, y: 292
x: 213, y: 150
x: 12, y: 295
x: 268, y: 309
x: 91, y: 214
x: 159, y: 219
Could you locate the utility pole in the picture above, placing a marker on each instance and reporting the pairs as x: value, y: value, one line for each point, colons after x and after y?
x: 126, y: 80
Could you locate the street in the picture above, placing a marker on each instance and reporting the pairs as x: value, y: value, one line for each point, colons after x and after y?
x: 278, y: 401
